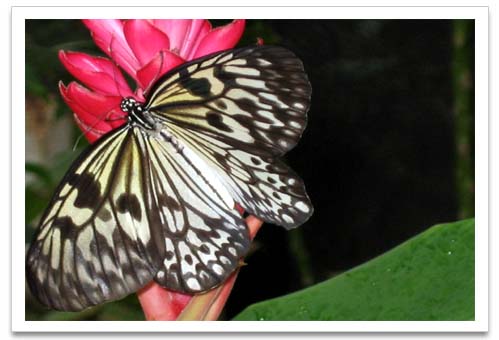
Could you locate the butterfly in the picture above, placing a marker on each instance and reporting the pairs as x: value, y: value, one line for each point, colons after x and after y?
x: 155, y: 198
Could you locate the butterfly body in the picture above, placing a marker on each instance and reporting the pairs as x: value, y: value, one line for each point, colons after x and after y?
x: 155, y: 198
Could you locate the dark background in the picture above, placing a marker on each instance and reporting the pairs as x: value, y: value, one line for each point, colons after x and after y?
x: 388, y: 151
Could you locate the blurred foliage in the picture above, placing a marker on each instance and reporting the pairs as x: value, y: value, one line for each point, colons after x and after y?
x: 43, y: 71
x: 44, y: 40
x: 127, y: 309
x: 379, y: 151
x: 428, y: 278
x: 463, y: 75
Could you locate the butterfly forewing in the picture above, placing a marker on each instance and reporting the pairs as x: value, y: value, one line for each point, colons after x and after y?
x: 255, y: 97
x: 98, y: 240
x: 132, y: 209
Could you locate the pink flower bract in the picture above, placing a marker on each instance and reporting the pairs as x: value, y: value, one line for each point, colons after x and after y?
x: 145, y: 49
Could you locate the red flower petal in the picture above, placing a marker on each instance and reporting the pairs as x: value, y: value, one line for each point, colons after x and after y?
x: 159, y: 303
x: 162, y: 63
x: 176, y: 29
x: 198, y: 30
x: 109, y: 36
x: 91, y: 134
x: 185, y: 35
x: 99, y: 74
x: 221, y: 38
x: 144, y: 39
x: 94, y: 111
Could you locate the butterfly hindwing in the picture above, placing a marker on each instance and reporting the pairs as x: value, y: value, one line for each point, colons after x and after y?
x: 205, y: 236
x: 263, y: 185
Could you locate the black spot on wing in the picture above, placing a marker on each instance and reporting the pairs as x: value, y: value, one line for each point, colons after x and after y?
x: 221, y: 105
x: 256, y: 161
x: 169, y: 255
x: 215, y: 120
x: 204, y: 249
x: 188, y: 259
x: 198, y: 87
x: 88, y: 190
x: 129, y: 203
x: 104, y: 215
x: 169, y: 202
x: 66, y: 226
x: 225, y: 77
x: 174, y: 267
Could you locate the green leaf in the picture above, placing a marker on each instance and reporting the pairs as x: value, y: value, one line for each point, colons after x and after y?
x: 429, y: 277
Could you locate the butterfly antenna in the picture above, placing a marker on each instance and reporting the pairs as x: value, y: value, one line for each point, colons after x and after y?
x: 91, y: 127
x: 87, y: 130
x: 78, y: 140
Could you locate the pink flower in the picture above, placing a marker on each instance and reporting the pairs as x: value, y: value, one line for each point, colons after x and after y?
x: 145, y: 49
x: 96, y: 107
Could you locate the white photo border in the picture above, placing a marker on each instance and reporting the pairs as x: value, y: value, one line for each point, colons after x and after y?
x: 479, y: 14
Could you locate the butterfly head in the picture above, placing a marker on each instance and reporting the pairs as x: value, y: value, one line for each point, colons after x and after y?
x: 137, y: 114
x: 129, y: 105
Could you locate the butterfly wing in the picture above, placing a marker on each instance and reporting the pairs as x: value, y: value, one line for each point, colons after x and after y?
x: 128, y: 207
x: 204, y: 234
x: 96, y: 241
x: 239, y: 110
x: 262, y: 185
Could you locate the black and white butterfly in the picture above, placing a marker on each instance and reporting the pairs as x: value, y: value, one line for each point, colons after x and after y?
x: 155, y: 198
